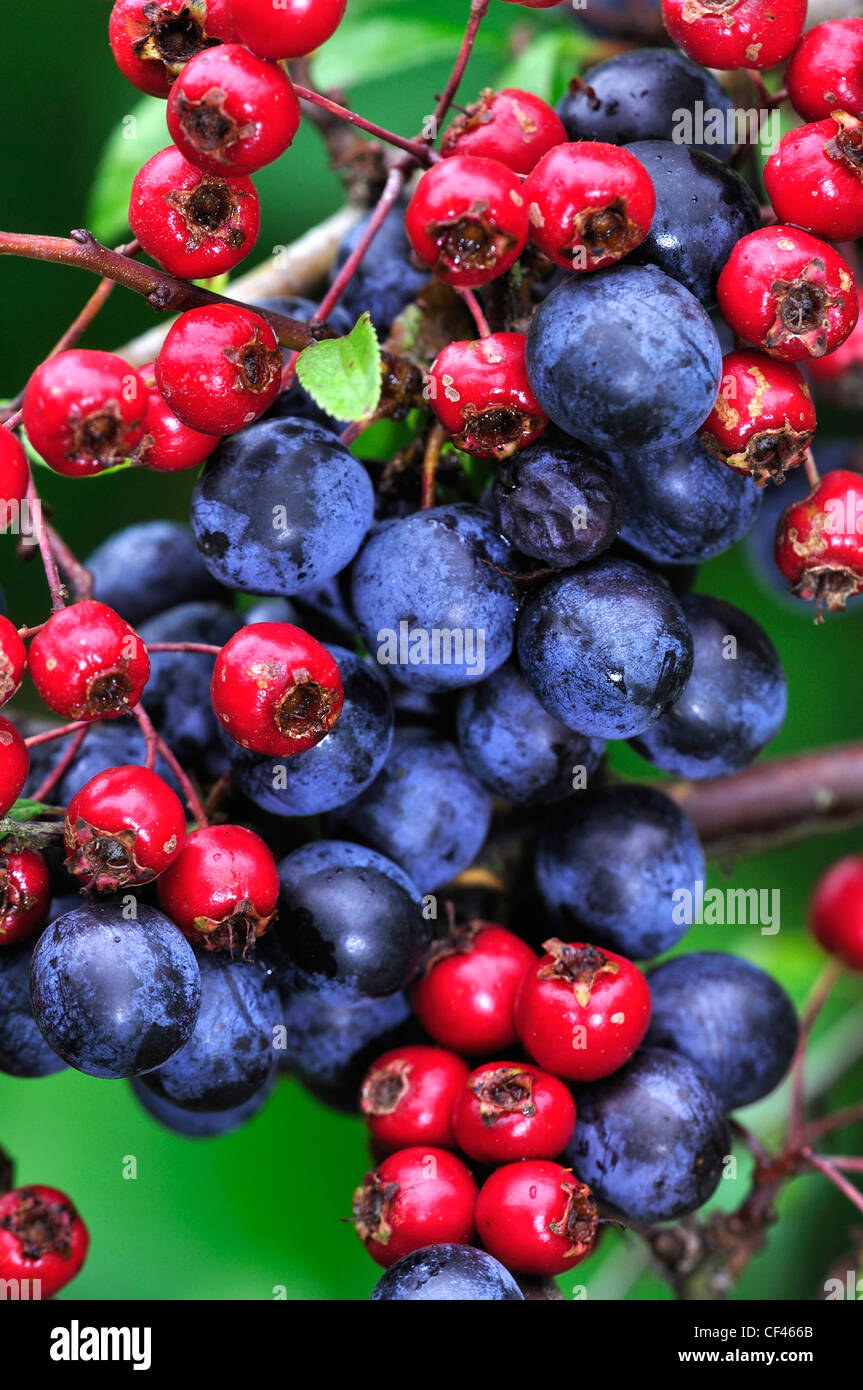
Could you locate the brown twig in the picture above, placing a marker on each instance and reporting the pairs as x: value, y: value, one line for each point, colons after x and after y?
x: 435, y: 441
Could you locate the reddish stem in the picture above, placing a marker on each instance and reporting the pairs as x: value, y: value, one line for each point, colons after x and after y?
x: 415, y: 148
x: 192, y: 799
x: 817, y: 999
x: 151, y: 738
x: 69, y: 756
x: 49, y: 564
x: 80, y: 578
x: 431, y: 458
x: 813, y: 477
x: 848, y: 1189
x: 829, y: 1124
x: 477, y: 314
x: 183, y: 647
x: 63, y: 731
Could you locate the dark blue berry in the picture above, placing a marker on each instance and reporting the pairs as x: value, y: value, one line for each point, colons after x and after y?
x: 199, y: 1124
x: 148, y: 567
x: 447, y: 1273
x: 386, y: 279
x: 23, y: 1050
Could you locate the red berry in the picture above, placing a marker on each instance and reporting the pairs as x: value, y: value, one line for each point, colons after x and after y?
x: 416, y: 1197
x: 222, y: 888
x: 465, y: 999
x: 14, y: 764
x: 583, y: 1012
x: 837, y: 911
x: 124, y: 826
x: 42, y: 1240
x: 25, y: 893
x: 480, y: 393
x: 735, y: 33
x: 231, y: 113
x: 14, y: 480
x: 536, y: 1218
x: 88, y: 663
x: 275, y: 689
x: 763, y: 420
x: 513, y: 126
x: 508, y: 1111
x: 408, y: 1095
x: 815, y: 178
x: 819, y: 540
x: 288, y: 29
x: 194, y: 225
x: 468, y: 220
x: 152, y: 42
x: 84, y: 411
x: 219, y: 368
x: 826, y: 70
x: 589, y: 204
x: 13, y: 660
x: 789, y: 293
x: 168, y: 445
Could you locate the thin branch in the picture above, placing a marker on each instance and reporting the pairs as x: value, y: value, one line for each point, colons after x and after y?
x: 80, y: 578
x: 63, y: 731
x: 818, y: 997
x: 56, y: 774
x: 829, y: 1124
x: 431, y: 458
x: 848, y: 1189
x: 415, y: 148
x: 49, y: 564
x: 183, y: 647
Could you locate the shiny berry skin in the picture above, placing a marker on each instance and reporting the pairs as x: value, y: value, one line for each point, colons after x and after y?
x: 582, y: 1012
x: 764, y: 418
x: 42, y: 1240
x: 194, y: 225
x: 815, y: 178
x: 84, y: 411
x: 508, y: 1111
x: 231, y: 113
x: 222, y: 888
x: 25, y: 893
x: 88, y: 663
x: 819, y: 541
x: 407, y: 1097
x: 168, y: 445
x: 152, y: 42
x: 729, y: 34
x: 14, y: 764
x: 536, y: 1218
x: 589, y: 204
x: 416, y: 1197
x: 125, y: 826
x: 836, y: 912
x: 465, y: 998
x: 826, y: 70
x: 480, y: 393
x: 275, y: 689
x: 513, y: 126
x: 13, y: 659
x: 14, y: 479
x: 467, y: 219
x: 219, y: 368
x: 288, y: 29
x: 789, y: 293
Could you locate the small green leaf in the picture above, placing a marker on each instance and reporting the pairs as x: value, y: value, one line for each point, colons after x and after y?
x: 24, y: 810
x: 549, y: 62
x: 139, y: 135
x: 372, y: 50
x: 343, y: 375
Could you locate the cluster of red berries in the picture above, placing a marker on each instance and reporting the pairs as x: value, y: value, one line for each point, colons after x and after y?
x: 579, y: 1014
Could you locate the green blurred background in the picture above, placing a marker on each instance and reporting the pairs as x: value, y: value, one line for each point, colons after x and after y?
x: 261, y: 1211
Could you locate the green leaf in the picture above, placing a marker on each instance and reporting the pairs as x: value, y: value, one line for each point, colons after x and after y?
x: 549, y: 62
x: 139, y: 135
x: 343, y: 375
x: 24, y: 810
x: 376, y: 49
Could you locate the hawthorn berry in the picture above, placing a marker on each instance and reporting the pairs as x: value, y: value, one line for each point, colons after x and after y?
x: 152, y: 42
x: 84, y: 411
x: 230, y: 113
x: 508, y: 1111
x: 480, y: 393
x: 789, y: 293
x: 219, y: 368
x: 728, y: 34
x: 194, y: 225
x: 815, y: 178
x: 25, y: 893
x: 467, y: 219
x: 819, y: 541
x: 825, y: 73
x: 589, y: 204
x: 275, y: 689
x: 14, y: 480
x: 14, y: 764
x: 168, y: 445
x: 289, y: 29
x: 88, y: 663
x: 416, y: 1197
x: 13, y: 659
x: 536, y: 1218
x: 407, y: 1097
x: 582, y: 1012
x: 511, y: 125
x: 465, y: 998
x: 764, y: 418
x: 125, y: 826
x: 222, y: 888
x: 836, y: 911
x: 42, y: 1240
